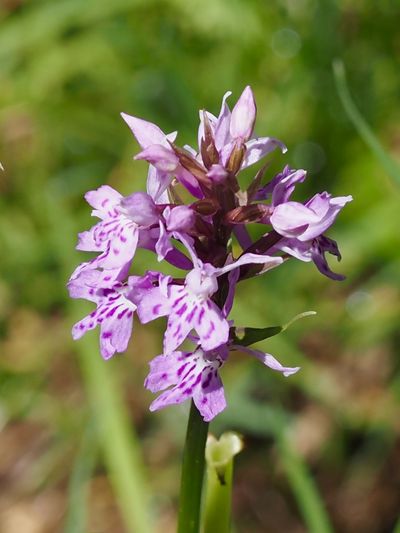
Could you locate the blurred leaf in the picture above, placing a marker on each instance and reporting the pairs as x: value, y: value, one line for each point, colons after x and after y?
x: 76, y: 519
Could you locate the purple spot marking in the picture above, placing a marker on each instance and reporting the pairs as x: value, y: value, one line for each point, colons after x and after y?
x: 198, y: 379
x: 106, y: 334
x: 104, y: 202
x: 122, y: 238
x: 201, y: 315
x: 210, y: 330
x: 181, y: 369
x: 177, y: 330
x: 122, y: 313
x: 207, y: 381
x: 178, y: 300
x: 115, y: 251
x: 190, y: 316
x: 112, y: 311
x: 156, y: 309
x: 182, y: 310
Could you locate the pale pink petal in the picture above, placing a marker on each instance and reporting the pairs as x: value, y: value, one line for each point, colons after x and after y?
x: 146, y: 133
x: 243, y: 116
x: 103, y: 200
x: 268, y: 360
x: 258, y: 148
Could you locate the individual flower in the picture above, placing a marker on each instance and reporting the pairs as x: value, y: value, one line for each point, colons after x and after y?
x: 124, y: 220
x: 190, y: 375
x: 306, y: 222
x: 114, y: 312
x: 232, y: 130
x: 146, y: 133
x: 196, y: 375
x: 190, y: 306
x: 314, y: 251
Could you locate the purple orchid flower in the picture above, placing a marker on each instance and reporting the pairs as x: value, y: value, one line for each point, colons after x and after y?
x: 306, y: 222
x: 114, y: 312
x: 196, y: 238
x: 196, y: 375
x: 190, y: 306
x: 234, y: 128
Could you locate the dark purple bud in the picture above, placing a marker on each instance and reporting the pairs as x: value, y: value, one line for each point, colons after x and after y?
x: 209, y: 153
x: 235, y: 160
x: 247, y: 213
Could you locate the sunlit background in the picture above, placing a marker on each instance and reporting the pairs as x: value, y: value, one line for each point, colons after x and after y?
x: 327, y: 438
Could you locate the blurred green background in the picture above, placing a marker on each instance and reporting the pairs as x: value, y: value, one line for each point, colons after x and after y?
x: 327, y: 438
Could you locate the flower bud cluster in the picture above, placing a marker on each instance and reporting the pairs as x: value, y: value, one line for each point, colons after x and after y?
x: 196, y: 238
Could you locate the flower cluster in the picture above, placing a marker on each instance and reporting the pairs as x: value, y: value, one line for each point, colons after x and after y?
x: 196, y: 238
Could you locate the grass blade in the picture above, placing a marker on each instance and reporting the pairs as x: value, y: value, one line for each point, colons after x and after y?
x: 78, y: 486
x: 363, y: 129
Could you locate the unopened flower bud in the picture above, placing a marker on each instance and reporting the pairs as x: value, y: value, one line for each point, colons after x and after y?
x: 243, y: 116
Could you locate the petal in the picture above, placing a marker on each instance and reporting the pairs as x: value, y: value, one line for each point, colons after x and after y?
x: 87, y: 242
x: 284, y: 184
x: 157, y: 185
x: 146, y: 133
x: 268, y: 360
x: 258, y: 148
x: 222, y: 124
x: 232, y: 280
x: 153, y: 304
x: 140, y: 208
x: 243, y: 116
x: 161, y: 157
x: 291, y: 219
x: 318, y: 249
x: 163, y: 245
x: 209, y: 398
x: 103, y: 200
x: 211, y: 325
x: 179, y: 218
x: 193, y: 376
x: 250, y: 258
x: 189, y: 182
x: 180, y: 323
x: 327, y: 209
x: 121, y: 248
x: 116, y: 330
x: 165, y: 371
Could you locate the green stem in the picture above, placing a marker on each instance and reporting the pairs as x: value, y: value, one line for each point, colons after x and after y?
x: 218, y: 502
x: 192, y: 473
x: 217, y: 515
